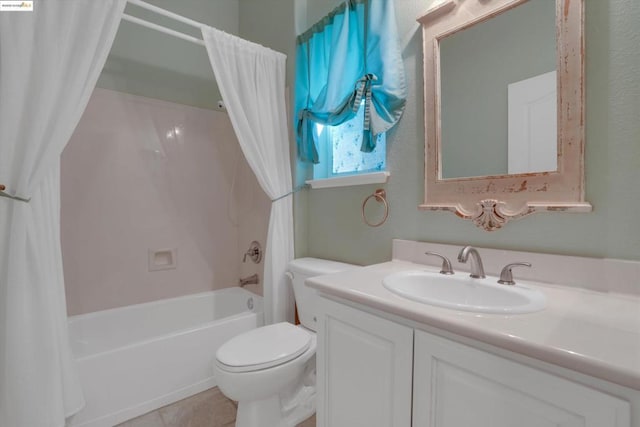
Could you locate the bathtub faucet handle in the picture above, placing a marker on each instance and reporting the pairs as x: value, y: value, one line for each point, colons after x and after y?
x: 254, y: 253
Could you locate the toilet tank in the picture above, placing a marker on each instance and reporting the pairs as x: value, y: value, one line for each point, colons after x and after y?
x: 306, y: 298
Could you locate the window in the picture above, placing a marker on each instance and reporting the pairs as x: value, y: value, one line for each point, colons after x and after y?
x: 339, y: 150
x: 336, y: 67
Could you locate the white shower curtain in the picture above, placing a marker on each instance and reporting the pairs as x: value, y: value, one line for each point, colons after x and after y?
x: 251, y: 79
x: 50, y: 60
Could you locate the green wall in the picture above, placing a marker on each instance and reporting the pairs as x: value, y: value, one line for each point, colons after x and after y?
x: 270, y: 23
x: 334, y: 228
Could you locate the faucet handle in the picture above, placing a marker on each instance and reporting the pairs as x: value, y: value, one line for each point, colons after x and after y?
x: 506, y: 276
x: 254, y: 253
x: 446, y: 264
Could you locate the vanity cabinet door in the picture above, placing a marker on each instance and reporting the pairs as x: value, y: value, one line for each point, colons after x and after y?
x: 364, y: 369
x: 456, y: 385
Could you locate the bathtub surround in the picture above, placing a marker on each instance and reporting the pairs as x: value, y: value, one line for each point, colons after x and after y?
x: 271, y: 168
x: 142, y: 175
x: 252, y: 83
x: 43, y: 92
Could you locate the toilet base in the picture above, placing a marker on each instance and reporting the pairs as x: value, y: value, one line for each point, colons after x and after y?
x: 273, y: 412
x: 256, y: 413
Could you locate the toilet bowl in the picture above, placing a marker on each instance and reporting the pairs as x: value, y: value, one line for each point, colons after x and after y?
x: 270, y: 371
x: 277, y: 387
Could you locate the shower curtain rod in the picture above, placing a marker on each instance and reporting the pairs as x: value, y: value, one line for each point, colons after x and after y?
x: 160, y: 28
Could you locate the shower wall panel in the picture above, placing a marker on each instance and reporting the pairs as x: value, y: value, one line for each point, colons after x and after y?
x: 148, y: 206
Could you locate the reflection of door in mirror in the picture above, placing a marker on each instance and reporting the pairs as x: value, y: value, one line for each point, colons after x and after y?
x: 477, y: 65
x: 533, y: 131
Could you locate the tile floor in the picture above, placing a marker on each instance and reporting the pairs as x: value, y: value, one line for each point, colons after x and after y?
x: 207, y: 409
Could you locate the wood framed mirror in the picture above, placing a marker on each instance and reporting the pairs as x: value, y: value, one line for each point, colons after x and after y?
x: 504, y: 108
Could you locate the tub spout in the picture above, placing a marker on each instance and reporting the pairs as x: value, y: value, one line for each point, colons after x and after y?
x: 251, y: 280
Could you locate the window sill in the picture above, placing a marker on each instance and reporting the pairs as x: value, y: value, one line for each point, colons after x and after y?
x: 346, y: 181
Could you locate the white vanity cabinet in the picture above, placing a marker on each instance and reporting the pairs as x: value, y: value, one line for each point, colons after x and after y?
x: 375, y: 372
x: 456, y: 385
x: 364, y: 369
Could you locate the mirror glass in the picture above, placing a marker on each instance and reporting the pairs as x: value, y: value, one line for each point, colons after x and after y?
x: 498, y: 94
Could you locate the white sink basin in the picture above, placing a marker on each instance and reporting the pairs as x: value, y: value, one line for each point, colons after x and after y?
x: 461, y: 292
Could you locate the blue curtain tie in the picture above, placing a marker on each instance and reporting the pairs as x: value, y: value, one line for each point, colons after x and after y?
x: 363, y: 89
x: 306, y: 151
x: 303, y: 117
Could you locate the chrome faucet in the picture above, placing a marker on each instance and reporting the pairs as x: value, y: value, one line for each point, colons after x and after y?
x: 251, y: 280
x: 477, y: 270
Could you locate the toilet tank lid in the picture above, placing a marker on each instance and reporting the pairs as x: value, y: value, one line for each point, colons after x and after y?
x: 316, y: 266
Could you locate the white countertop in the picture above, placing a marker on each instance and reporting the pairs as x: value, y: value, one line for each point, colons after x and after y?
x: 594, y: 333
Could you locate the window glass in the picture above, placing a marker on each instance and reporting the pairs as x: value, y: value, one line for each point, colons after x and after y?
x: 339, y: 150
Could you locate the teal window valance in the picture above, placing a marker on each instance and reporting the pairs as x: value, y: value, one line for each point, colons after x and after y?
x: 350, y: 56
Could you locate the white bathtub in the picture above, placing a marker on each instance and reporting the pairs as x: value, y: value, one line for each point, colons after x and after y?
x: 135, y: 359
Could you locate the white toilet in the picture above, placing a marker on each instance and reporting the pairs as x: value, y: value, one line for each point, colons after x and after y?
x: 270, y: 371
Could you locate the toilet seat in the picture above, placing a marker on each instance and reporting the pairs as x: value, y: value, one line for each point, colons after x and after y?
x: 263, y: 348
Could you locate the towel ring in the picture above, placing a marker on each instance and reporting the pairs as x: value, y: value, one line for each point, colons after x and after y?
x: 381, y: 196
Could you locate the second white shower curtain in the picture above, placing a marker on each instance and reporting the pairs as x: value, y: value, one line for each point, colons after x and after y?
x: 251, y: 79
